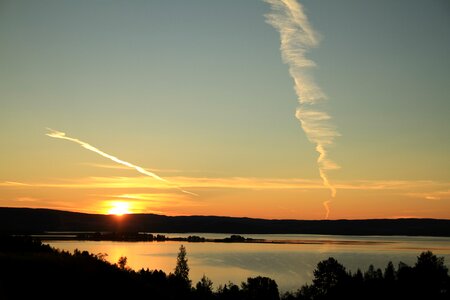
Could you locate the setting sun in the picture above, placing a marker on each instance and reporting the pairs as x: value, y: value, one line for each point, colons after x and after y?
x: 119, y: 208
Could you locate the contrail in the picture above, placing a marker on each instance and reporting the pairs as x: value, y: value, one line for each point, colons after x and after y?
x: 297, y: 36
x: 62, y: 135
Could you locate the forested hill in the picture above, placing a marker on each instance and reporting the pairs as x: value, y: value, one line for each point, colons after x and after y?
x: 27, y: 220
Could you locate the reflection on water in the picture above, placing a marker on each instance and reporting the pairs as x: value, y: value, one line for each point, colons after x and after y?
x: 291, y: 265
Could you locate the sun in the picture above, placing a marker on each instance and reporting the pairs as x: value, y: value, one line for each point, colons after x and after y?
x: 119, y: 208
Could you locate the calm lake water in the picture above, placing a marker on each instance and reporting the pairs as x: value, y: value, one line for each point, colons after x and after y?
x: 291, y: 265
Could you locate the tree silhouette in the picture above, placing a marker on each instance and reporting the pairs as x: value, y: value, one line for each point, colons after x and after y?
x: 306, y: 292
x: 389, y: 272
x: 329, y: 277
x: 261, y: 288
x: 229, y: 291
x: 122, y: 263
x: 204, y: 288
x: 182, y: 268
x: 179, y: 282
x: 373, y: 274
x: 431, y: 275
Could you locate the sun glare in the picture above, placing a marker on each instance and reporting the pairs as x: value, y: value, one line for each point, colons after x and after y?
x: 119, y: 208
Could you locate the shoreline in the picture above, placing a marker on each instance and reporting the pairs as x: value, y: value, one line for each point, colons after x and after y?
x: 146, y: 237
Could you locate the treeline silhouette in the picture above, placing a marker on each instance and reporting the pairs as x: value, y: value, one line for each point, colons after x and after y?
x: 30, y: 269
x: 37, y: 221
x: 427, y: 279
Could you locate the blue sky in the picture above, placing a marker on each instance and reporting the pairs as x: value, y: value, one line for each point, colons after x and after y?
x: 200, y: 87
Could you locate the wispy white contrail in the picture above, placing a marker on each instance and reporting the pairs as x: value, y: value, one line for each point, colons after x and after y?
x: 297, y: 37
x: 62, y: 135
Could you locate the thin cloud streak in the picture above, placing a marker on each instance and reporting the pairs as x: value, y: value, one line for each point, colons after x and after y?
x: 62, y: 135
x: 105, y: 166
x: 297, y: 36
x: 425, y: 186
x: 118, y: 167
x: 159, y: 200
x: 434, y: 195
x: 13, y: 184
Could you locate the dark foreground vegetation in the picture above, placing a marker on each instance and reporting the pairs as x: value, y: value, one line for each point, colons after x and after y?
x: 36, y: 221
x: 31, y: 270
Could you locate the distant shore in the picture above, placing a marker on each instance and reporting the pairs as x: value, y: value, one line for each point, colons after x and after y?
x: 27, y: 221
x: 197, y: 238
x: 148, y: 237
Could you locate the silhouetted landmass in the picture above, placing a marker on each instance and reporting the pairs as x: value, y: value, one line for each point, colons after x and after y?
x: 31, y: 270
x: 427, y: 279
x: 34, y: 221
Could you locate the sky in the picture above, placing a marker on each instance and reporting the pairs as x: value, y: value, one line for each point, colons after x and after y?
x: 198, y: 94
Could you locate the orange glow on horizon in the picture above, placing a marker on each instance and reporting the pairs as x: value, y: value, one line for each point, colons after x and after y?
x: 270, y: 198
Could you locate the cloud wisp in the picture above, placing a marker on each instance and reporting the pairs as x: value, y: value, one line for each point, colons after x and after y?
x: 297, y: 36
x: 62, y: 135
x: 411, y: 188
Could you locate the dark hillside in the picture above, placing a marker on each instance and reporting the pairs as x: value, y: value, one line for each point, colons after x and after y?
x: 26, y: 220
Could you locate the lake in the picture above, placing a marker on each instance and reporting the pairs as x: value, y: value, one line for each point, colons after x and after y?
x: 290, y: 263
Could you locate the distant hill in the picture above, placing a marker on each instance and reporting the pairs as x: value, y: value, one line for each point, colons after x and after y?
x: 28, y: 221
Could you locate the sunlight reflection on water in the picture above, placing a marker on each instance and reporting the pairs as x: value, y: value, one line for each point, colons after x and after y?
x: 291, y: 265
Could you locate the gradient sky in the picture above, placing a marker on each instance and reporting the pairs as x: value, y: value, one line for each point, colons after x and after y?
x: 197, y: 92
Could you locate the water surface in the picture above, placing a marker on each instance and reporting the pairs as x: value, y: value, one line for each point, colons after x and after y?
x: 290, y: 263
